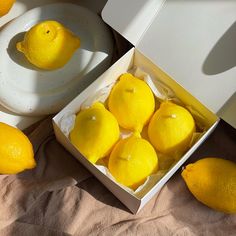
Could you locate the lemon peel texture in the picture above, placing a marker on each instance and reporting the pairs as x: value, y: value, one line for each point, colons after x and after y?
x: 16, y: 150
x: 213, y: 182
x: 95, y: 132
x: 171, y: 129
x: 49, y: 45
x: 132, y: 160
x: 5, y: 6
x: 132, y: 102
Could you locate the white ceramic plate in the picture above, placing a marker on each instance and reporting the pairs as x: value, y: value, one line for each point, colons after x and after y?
x: 24, y: 89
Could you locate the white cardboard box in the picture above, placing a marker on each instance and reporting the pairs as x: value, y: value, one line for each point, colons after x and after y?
x: 193, y: 41
x: 161, y: 30
x: 129, y: 60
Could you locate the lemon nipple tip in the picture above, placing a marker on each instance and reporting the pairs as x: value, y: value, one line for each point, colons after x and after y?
x: 92, y: 159
x: 137, y: 134
x: 19, y: 47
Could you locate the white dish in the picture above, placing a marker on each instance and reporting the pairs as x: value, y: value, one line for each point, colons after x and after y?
x: 24, y: 89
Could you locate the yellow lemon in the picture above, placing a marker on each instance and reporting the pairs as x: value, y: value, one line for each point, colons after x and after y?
x: 95, y: 132
x: 213, y: 182
x: 16, y: 151
x: 132, y: 102
x: 49, y: 45
x: 5, y: 6
x: 171, y: 128
x: 132, y: 160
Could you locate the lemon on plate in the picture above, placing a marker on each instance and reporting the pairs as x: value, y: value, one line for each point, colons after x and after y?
x: 132, y: 102
x: 171, y: 129
x: 49, y: 45
x: 95, y: 132
x: 132, y: 160
x: 5, y: 6
x: 16, y: 151
x: 213, y: 182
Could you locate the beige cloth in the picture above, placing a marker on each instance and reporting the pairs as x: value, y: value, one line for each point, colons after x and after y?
x: 59, y: 197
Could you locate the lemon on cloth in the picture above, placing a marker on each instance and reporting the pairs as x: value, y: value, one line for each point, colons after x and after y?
x: 171, y: 128
x: 213, y: 182
x: 49, y: 45
x: 95, y: 132
x: 132, y: 102
x: 132, y: 160
x: 5, y: 6
x: 16, y: 151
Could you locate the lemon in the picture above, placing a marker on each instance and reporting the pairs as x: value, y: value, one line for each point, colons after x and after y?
x: 132, y: 102
x: 16, y: 151
x: 49, y: 45
x: 171, y: 128
x: 213, y: 182
x: 132, y: 160
x: 5, y: 6
x: 95, y: 132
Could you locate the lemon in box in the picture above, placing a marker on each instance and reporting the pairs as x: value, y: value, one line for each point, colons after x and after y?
x: 164, y: 88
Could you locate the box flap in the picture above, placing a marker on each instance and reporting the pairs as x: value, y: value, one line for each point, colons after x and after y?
x: 193, y: 41
x: 131, y: 18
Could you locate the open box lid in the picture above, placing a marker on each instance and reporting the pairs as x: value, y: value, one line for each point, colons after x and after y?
x: 193, y: 41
